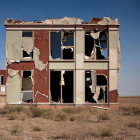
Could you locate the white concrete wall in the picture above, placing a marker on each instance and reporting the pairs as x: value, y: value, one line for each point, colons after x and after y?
x: 80, y: 73
x: 113, y: 58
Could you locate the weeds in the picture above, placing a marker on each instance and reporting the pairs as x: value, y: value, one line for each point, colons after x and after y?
x: 130, y: 110
x: 23, y: 116
x: 133, y: 124
x: 60, y: 116
x: 36, y: 112
x: 71, y: 113
x: 13, y: 116
x: 106, y: 133
x: 9, y: 109
x: 103, y: 116
x: 72, y: 110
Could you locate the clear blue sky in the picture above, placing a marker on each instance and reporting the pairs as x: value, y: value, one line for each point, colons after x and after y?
x: 128, y: 12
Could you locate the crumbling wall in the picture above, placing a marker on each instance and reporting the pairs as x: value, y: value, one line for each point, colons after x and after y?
x: 14, y: 80
x: 35, y: 47
x: 65, y: 20
x: 41, y: 75
x: 113, y: 96
x: 3, y: 73
x: 3, y: 90
x: 40, y: 47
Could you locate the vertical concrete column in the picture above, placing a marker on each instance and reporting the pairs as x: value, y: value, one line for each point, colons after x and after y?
x: 93, y: 74
x: 80, y: 73
x: 113, y: 64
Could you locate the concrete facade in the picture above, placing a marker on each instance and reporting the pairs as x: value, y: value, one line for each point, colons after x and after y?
x: 62, y: 61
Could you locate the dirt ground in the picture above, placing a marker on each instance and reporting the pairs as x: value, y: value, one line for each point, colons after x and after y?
x: 75, y: 123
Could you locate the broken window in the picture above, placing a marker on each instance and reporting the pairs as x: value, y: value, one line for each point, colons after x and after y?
x: 27, y: 87
x: 1, y: 80
x: 26, y: 55
x: 101, y: 80
x: 95, y: 87
x: 62, y: 45
x: 27, y: 45
x: 61, y: 86
x: 56, y: 45
x: 27, y: 34
x: 95, y: 45
x: 67, y: 38
x: 89, y: 91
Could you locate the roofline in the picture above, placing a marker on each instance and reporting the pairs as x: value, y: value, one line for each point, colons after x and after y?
x: 38, y: 24
x: 74, y: 26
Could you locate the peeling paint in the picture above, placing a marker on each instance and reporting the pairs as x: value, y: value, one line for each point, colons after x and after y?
x: 12, y: 72
x: 38, y: 64
x: 28, y: 44
x: 37, y: 47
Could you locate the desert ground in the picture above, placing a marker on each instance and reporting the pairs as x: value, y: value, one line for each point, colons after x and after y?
x: 72, y: 123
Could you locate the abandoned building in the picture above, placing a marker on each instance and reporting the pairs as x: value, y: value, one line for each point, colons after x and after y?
x: 61, y: 61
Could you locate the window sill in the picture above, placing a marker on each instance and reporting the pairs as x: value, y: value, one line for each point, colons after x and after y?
x: 101, y: 60
x: 62, y: 60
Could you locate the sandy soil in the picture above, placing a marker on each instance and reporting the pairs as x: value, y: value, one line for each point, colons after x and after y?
x: 119, y: 124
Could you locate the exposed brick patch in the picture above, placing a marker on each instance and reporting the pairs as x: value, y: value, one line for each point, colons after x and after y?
x: 113, y: 96
x: 21, y: 66
x: 41, y: 84
x: 41, y: 41
x: 102, y: 72
x: 3, y: 73
x: 41, y: 78
x: 94, y: 20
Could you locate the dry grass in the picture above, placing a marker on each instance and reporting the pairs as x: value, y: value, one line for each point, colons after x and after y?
x: 62, y: 136
x: 130, y: 110
x: 73, y: 123
x: 16, y: 129
x: 5, y: 137
x: 103, y: 116
x: 133, y: 124
x: 70, y: 113
x: 36, y: 112
x: 106, y: 132
x: 36, y: 128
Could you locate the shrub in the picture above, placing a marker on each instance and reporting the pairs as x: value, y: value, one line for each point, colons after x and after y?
x: 60, y: 116
x: 36, y: 128
x: 36, y: 112
x: 103, y: 116
x: 48, y: 114
x: 72, y: 118
x: 22, y: 116
x: 61, y: 136
x: 106, y: 133
x: 13, y: 116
